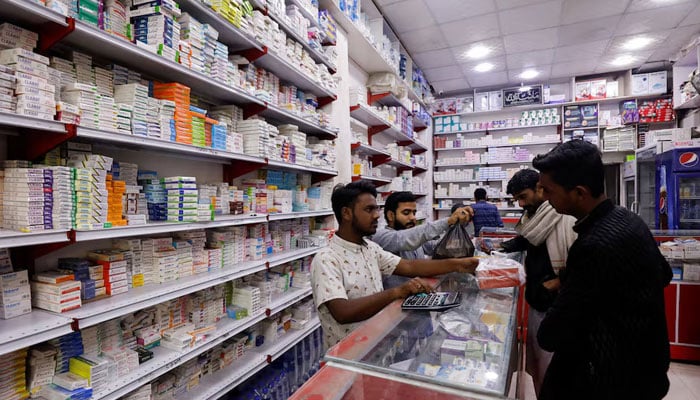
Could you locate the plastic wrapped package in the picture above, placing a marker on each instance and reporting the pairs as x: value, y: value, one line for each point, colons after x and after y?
x: 499, y: 271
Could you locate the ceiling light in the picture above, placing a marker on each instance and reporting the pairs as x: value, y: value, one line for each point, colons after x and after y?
x: 478, y: 51
x: 529, y: 74
x: 524, y: 88
x: 637, y: 43
x: 623, y: 60
x: 483, y: 67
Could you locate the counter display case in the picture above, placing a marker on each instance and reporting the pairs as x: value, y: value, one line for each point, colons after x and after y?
x: 468, y: 349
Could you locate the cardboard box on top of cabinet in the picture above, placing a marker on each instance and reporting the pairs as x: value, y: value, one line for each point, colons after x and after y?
x: 598, y: 89
x: 657, y: 82
x: 640, y: 84
x: 583, y: 91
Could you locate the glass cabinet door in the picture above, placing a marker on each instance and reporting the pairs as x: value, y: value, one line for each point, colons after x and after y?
x: 646, y: 191
x: 689, y: 199
x: 630, y: 195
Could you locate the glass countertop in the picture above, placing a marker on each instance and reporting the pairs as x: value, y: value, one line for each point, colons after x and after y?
x: 468, y: 347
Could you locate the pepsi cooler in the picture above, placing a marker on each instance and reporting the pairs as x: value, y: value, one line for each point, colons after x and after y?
x: 678, y: 189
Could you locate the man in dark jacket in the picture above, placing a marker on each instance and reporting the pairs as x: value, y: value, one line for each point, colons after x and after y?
x: 607, y: 326
x: 546, y: 236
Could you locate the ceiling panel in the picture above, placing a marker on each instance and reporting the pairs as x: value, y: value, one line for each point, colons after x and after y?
x: 402, y: 15
x: 452, y: 10
x: 529, y: 59
x: 589, y: 31
x: 543, y: 70
x: 606, y: 61
x: 434, y: 58
x: 444, y: 73
x: 576, y: 10
x: 424, y: 39
x: 639, y: 5
x: 530, y: 18
x: 572, y: 68
x: 618, y: 44
x: 494, y: 45
x: 580, y: 51
x: 471, y: 29
x: 651, y: 20
x: 693, y: 17
x: 478, y: 80
x: 505, y: 4
x: 499, y: 64
x: 534, y: 40
x: 450, y: 85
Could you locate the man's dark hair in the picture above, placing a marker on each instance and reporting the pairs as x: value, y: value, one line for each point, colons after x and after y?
x: 392, y: 202
x: 346, y: 195
x: 574, y: 163
x: 455, y: 207
x: 523, y: 179
x: 480, y: 194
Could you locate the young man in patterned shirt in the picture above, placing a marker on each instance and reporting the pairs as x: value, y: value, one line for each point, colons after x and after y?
x: 346, y: 276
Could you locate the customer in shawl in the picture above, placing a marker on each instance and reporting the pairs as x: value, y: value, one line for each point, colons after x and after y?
x: 547, y: 236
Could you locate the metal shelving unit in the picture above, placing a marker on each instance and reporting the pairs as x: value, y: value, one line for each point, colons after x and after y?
x: 29, y: 329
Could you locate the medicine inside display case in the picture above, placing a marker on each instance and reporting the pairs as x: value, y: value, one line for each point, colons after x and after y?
x: 470, y: 347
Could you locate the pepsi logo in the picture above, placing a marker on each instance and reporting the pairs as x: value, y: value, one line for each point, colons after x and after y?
x: 662, y: 205
x: 688, y: 159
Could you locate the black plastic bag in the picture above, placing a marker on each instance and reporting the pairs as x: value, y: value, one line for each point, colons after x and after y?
x: 455, y: 244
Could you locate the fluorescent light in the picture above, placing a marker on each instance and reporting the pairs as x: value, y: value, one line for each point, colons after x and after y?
x: 529, y: 74
x: 478, y: 51
x: 637, y: 43
x: 623, y: 60
x: 524, y: 88
x: 483, y: 67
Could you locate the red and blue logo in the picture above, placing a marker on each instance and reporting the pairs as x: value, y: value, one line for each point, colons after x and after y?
x: 688, y: 159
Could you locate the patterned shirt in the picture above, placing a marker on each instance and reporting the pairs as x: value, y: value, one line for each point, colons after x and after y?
x: 485, y: 214
x: 346, y: 270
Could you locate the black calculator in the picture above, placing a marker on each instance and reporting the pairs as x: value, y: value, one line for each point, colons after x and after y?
x: 436, y: 301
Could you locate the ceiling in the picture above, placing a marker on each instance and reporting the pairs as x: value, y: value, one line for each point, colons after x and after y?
x: 558, y: 39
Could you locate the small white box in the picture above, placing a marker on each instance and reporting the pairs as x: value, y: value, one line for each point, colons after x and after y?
x: 15, y: 309
x: 657, y: 82
x: 640, y: 84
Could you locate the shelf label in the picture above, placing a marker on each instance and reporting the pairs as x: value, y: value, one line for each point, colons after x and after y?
x: 520, y: 96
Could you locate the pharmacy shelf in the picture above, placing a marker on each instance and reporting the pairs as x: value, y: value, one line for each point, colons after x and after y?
x: 682, y: 198
x: 29, y: 12
x: 399, y: 164
x: 10, y: 238
x: 233, y: 37
x: 29, y: 329
x: 153, y: 228
x: 120, y: 51
x: 280, y: 115
x: 418, y: 124
x: 299, y: 214
x: 313, y: 19
x: 165, y: 360
x: 387, y: 99
x: 462, y: 181
x: 223, y: 381
x: 362, y: 52
x: 465, y: 196
x: 367, y: 115
x: 288, y: 72
x: 511, y: 128
x: 163, y: 145
x: 147, y: 296
x: 508, y: 162
x: 291, y: 255
x: 378, y: 181
x: 694, y: 102
x: 368, y: 150
x: 292, y: 296
x: 274, y: 164
x: 17, y: 121
x: 499, y: 145
x: 458, y: 165
x: 580, y: 128
x: 316, y: 54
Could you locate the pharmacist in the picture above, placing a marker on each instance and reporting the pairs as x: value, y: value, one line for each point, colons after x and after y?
x: 346, y: 276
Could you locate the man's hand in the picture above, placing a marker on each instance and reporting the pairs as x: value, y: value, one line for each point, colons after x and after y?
x: 464, y: 265
x: 552, y: 285
x: 415, y: 285
x: 461, y: 215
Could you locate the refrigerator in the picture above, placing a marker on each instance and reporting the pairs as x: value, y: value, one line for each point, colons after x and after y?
x: 678, y: 189
x: 645, y: 181
x: 628, y: 188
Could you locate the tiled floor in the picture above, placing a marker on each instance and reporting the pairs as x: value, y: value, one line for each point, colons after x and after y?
x: 685, y: 383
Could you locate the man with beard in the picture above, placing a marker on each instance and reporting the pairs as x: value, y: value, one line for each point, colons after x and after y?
x: 547, y: 236
x: 401, y: 235
x: 346, y: 276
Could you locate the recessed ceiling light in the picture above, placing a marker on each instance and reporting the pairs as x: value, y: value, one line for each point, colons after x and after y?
x: 529, y: 74
x: 483, y: 67
x: 478, y: 51
x: 637, y: 43
x: 623, y: 60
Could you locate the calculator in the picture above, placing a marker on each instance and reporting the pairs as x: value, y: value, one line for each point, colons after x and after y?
x: 436, y: 301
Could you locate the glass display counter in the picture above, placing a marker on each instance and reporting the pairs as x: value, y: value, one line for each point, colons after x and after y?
x: 468, y: 349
